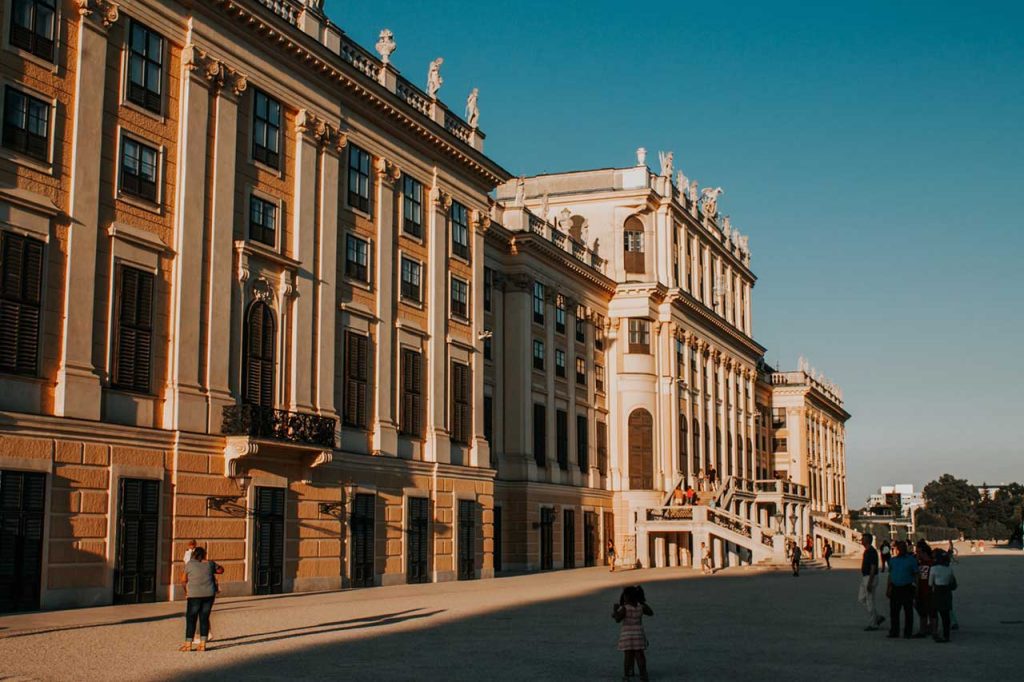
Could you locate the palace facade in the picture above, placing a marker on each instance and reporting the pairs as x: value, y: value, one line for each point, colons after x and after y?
x: 257, y: 292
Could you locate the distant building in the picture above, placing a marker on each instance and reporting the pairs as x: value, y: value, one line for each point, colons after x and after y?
x: 900, y: 493
x: 988, y: 492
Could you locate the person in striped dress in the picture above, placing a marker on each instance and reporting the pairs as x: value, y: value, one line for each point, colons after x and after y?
x: 630, y: 611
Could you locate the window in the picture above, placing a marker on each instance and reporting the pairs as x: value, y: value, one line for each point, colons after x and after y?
x: 358, y: 179
x: 599, y: 377
x: 598, y: 332
x: 489, y: 418
x: 633, y: 246
x: 33, y: 26
x: 560, y: 314
x: 696, y: 446
x: 460, y: 230
x: 410, y: 418
x: 582, y: 453
x: 680, y: 359
x: 559, y: 363
x: 488, y: 288
x: 641, y: 450
x: 780, y: 445
x: 460, y: 298
x: 538, y: 354
x: 693, y: 365
x: 538, y: 303
x: 562, y: 439
x: 145, y: 67
x: 357, y: 378
x: 133, y: 338
x: 462, y: 425
x: 21, y: 289
x: 778, y: 417
x: 138, y: 169
x: 262, y: 221
x: 683, y: 442
x: 602, y: 448
x: 26, y: 124
x: 581, y: 322
x: 412, y: 207
x: 488, y: 350
x: 639, y: 336
x: 581, y: 371
x: 540, y: 439
x: 266, y: 129
x: 411, y: 278
x: 357, y: 258
x: 258, y: 376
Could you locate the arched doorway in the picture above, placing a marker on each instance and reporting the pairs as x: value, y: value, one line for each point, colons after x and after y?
x: 641, y: 450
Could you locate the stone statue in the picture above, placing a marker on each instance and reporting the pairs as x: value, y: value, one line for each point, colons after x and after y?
x: 520, y: 191
x: 544, y: 207
x: 565, y: 220
x: 744, y: 244
x: 472, y: 110
x: 386, y: 46
x: 709, y: 199
x: 584, y: 232
x: 596, y: 248
x: 727, y: 228
x: 666, y: 164
x: 434, y: 80
x: 682, y: 183
x: 641, y: 156
x: 693, y: 192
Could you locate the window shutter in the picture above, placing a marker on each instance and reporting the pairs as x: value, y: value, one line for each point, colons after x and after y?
x: 20, y: 299
x: 259, y: 375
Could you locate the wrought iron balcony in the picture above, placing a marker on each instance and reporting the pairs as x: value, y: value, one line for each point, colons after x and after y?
x: 269, y: 423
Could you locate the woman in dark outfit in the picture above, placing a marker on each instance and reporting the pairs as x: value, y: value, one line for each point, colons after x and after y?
x: 200, y: 589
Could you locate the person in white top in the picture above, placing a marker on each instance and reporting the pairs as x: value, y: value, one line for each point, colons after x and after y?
x: 942, y: 582
x: 188, y: 552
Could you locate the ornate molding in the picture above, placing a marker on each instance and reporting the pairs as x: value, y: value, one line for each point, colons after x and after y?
x: 219, y: 75
x: 387, y: 171
x: 263, y: 291
x: 481, y: 221
x: 100, y: 11
x: 440, y: 198
x: 322, y: 131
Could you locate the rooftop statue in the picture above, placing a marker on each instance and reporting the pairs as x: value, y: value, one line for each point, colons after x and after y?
x: 693, y: 192
x: 544, y: 210
x: 565, y: 220
x: 641, y: 156
x: 434, y: 80
x: 682, y: 183
x: 666, y: 164
x: 520, y: 191
x: 709, y: 198
x: 386, y: 45
x: 727, y: 228
x: 472, y: 110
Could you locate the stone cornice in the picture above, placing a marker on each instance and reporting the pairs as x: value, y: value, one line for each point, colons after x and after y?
x: 312, y: 60
x: 528, y: 242
x: 686, y: 303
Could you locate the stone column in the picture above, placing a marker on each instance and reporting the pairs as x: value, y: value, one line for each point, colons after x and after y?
x: 78, y: 383
x: 438, y: 443
x: 479, y: 453
x: 746, y: 310
x: 222, y: 223
x: 732, y: 430
x: 385, y: 432
x: 186, y: 405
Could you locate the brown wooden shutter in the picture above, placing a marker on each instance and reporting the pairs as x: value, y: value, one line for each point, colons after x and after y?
x: 461, y: 413
x: 641, y: 450
x: 20, y: 302
x: 411, y: 418
x: 134, y: 338
x: 357, y: 372
x: 259, y: 373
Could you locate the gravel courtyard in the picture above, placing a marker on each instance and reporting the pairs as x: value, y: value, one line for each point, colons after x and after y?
x: 751, y: 623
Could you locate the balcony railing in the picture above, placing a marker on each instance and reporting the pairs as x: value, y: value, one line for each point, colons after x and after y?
x: 269, y: 423
x: 670, y: 514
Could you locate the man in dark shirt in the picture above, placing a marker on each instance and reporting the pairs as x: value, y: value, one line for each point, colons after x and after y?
x: 868, y: 580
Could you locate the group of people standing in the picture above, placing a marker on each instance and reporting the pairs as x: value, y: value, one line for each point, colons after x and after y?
x: 795, y: 553
x: 919, y: 579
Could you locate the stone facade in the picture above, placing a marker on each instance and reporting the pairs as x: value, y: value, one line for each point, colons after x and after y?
x: 256, y: 294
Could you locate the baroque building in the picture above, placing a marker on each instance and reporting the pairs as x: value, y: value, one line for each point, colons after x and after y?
x: 258, y: 291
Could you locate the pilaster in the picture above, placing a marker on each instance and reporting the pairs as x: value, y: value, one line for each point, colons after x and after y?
x: 438, y: 443
x: 327, y: 272
x: 78, y: 391
x: 385, y: 432
x: 480, y: 454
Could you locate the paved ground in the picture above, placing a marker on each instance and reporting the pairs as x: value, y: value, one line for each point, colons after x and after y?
x: 740, y: 622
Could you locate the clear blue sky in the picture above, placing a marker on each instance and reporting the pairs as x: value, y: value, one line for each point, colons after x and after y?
x: 873, y: 151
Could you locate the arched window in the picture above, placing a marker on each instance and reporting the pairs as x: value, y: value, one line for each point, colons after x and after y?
x: 633, y: 245
x: 258, y: 373
x: 683, y: 442
x: 641, y: 450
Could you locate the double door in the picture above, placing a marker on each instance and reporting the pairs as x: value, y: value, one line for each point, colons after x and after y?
x: 589, y: 538
x: 22, y: 509
x: 417, y: 569
x: 547, y: 541
x: 467, y: 540
x: 138, y: 527
x: 568, y: 538
x: 363, y: 540
x: 269, y: 538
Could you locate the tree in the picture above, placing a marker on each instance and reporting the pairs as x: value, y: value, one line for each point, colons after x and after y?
x: 953, y: 499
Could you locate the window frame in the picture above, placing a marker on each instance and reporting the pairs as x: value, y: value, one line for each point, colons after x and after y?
x: 24, y: 300
x: 31, y: 50
x: 538, y: 357
x: 540, y: 434
x: 580, y: 330
x: 458, y: 215
x: 411, y: 413
x: 581, y: 374
x: 275, y: 204
x: 560, y: 370
x: 29, y: 98
x: 356, y: 378
x: 599, y: 378
x: 362, y: 178
x: 124, y: 139
x: 488, y: 289
x: 256, y: 155
x: 464, y: 315
x: 640, y: 337
x: 145, y: 330
x: 463, y: 406
x: 560, y: 314
x: 418, y: 298
x: 155, y: 107
x: 352, y: 267
x: 539, y: 301
x: 562, y: 438
x: 582, y: 442
x: 411, y: 205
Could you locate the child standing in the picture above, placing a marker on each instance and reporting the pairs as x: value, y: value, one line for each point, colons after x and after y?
x: 630, y: 610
